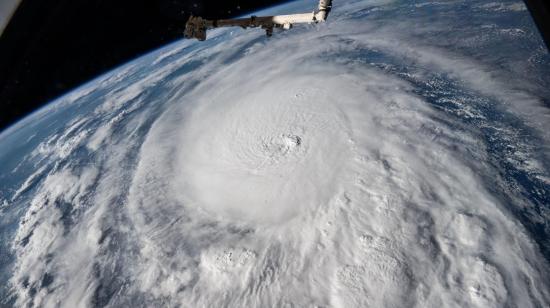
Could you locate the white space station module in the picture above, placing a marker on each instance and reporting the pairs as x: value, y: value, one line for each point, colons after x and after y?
x: 196, y: 26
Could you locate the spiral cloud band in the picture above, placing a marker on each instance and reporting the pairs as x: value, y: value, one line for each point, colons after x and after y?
x: 346, y: 164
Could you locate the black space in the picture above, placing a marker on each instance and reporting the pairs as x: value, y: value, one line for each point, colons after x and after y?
x: 50, y: 47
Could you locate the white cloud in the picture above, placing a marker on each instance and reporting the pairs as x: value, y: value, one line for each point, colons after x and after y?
x: 300, y: 174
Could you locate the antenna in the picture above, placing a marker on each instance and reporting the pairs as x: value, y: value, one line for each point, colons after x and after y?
x: 196, y: 26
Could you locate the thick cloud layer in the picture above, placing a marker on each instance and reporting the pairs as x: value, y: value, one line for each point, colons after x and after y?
x: 350, y: 164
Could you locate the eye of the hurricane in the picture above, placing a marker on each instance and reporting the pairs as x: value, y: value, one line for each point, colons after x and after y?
x: 278, y: 149
x: 282, y: 145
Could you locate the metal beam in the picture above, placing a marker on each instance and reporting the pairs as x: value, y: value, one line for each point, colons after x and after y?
x: 196, y: 27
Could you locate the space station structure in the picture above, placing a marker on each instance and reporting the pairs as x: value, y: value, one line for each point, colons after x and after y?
x: 196, y: 26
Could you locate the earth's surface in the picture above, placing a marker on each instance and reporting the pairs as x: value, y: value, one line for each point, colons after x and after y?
x: 395, y: 156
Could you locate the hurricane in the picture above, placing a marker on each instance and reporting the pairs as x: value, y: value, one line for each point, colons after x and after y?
x: 375, y: 160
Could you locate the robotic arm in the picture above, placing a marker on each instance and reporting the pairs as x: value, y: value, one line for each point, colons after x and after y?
x: 196, y: 26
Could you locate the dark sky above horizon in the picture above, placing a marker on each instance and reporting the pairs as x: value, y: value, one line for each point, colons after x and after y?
x: 50, y: 47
